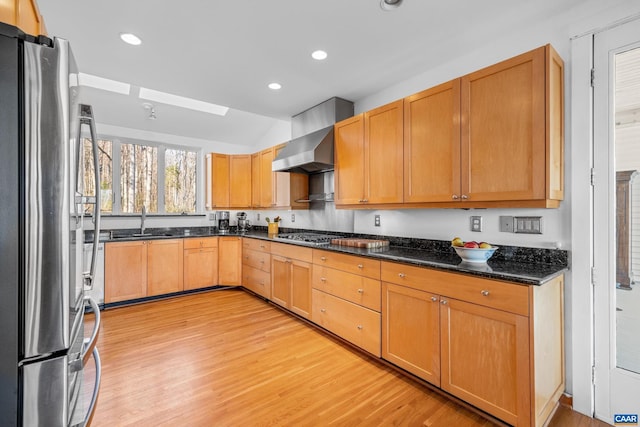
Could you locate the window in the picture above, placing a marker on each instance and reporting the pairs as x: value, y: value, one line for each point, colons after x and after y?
x: 138, y: 178
x: 162, y: 179
x: 105, y: 162
x: 180, y: 181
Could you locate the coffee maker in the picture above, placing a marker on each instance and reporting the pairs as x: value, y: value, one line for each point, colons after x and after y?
x: 222, y: 218
x: 243, y: 222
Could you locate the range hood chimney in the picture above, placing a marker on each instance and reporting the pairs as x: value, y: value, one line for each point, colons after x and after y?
x: 311, y: 149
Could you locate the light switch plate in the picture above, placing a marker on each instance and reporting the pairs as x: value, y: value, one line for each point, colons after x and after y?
x: 476, y: 223
x: 212, y: 216
x: 528, y: 224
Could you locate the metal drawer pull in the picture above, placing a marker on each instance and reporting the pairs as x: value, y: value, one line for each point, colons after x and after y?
x: 454, y: 197
x: 484, y: 293
x: 323, y: 258
x: 401, y: 275
x: 361, y: 291
x: 464, y: 197
x: 261, y: 261
x: 322, y: 310
x: 322, y: 279
x: 360, y: 266
x: 444, y: 302
x: 360, y: 327
x: 434, y: 299
x: 246, y: 256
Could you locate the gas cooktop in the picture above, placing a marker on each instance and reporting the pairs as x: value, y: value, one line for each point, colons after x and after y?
x: 317, y: 239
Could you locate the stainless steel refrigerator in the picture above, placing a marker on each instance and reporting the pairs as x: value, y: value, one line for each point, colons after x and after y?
x: 43, y: 349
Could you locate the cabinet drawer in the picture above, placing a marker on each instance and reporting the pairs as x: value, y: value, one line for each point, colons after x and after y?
x: 257, y: 281
x: 292, y: 251
x: 352, y: 287
x: 506, y: 296
x: 256, y: 244
x: 256, y: 259
x: 356, y: 324
x: 352, y: 264
x: 201, y: 242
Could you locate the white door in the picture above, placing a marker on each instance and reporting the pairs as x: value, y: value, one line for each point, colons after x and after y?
x: 617, y: 223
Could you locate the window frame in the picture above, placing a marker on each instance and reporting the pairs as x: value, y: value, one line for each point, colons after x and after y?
x: 117, y: 143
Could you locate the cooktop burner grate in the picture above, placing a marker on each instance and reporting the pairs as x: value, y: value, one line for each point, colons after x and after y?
x: 311, y: 238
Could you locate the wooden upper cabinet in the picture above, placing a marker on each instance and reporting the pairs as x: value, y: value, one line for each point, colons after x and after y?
x: 24, y: 14
x: 512, y: 130
x: 219, y: 181
x: 369, y: 157
x: 383, y: 153
x: 240, y: 181
x: 256, y: 180
x: 266, y: 178
x: 432, y: 144
x: 349, y: 161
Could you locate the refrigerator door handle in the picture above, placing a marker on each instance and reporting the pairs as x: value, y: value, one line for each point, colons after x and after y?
x: 90, y: 343
x: 86, y: 118
x: 96, y: 388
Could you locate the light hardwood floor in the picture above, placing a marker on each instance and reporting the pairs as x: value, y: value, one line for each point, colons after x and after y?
x: 227, y: 358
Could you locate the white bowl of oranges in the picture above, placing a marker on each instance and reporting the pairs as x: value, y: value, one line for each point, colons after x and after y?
x: 475, y: 252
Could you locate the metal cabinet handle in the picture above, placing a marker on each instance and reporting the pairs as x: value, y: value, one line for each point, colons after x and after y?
x: 323, y: 310
x: 246, y: 257
x: 444, y: 302
x: 454, y: 197
x: 323, y: 279
x: 262, y: 246
x: 359, y: 327
x: 360, y: 266
x: 261, y: 261
x: 434, y: 299
x: 361, y: 291
x: 322, y: 258
x: 464, y: 197
x: 401, y: 275
x: 484, y: 292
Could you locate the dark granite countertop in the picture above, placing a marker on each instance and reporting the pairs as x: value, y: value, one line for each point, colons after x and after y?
x: 527, y: 266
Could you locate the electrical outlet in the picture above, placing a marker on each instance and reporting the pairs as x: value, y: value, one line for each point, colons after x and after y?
x: 257, y: 217
x: 293, y: 217
x: 476, y: 223
x: 212, y: 216
x: 376, y: 220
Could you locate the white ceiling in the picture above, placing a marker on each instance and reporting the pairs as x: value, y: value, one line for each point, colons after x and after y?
x: 226, y: 52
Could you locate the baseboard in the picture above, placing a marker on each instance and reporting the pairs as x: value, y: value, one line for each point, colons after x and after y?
x: 566, y: 400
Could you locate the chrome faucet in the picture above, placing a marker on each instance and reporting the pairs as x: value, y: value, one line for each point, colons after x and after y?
x: 142, y: 218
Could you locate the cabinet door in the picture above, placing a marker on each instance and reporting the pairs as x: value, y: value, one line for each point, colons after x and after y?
x: 240, y: 181
x: 383, y: 153
x: 280, y: 280
x: 200, y: 268
x: 349, y: 161
x: 125, y: 271
x: 432, y: 144
x: 301, y: 288
x: 485, y: 359
x: 256, y: 185
x: 503, y: 130
x: 219, y: 180
x: 229, y: 261
x: 165, y: 266
x: 266, y: 178
x: 411, y: 330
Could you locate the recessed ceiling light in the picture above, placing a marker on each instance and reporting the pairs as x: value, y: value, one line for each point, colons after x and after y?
x: 275, y: 86
x: 131, y: 39
x: 387, y: 5
x: 181, y: 101
x: 319, y: 55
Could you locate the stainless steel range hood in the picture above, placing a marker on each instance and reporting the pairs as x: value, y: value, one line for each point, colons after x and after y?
x: 311, y: 149
x: 308, y: 154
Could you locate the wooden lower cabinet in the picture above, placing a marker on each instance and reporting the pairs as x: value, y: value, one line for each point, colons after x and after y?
x: 229, y: 260
x: 164, y: 266
x: 356, y: 324
x: 291, y: 278
x: 125, y: 273
x: 496, y: 345
x: 256, y: 266
x: 411, y: 330
x: 200, y: 262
